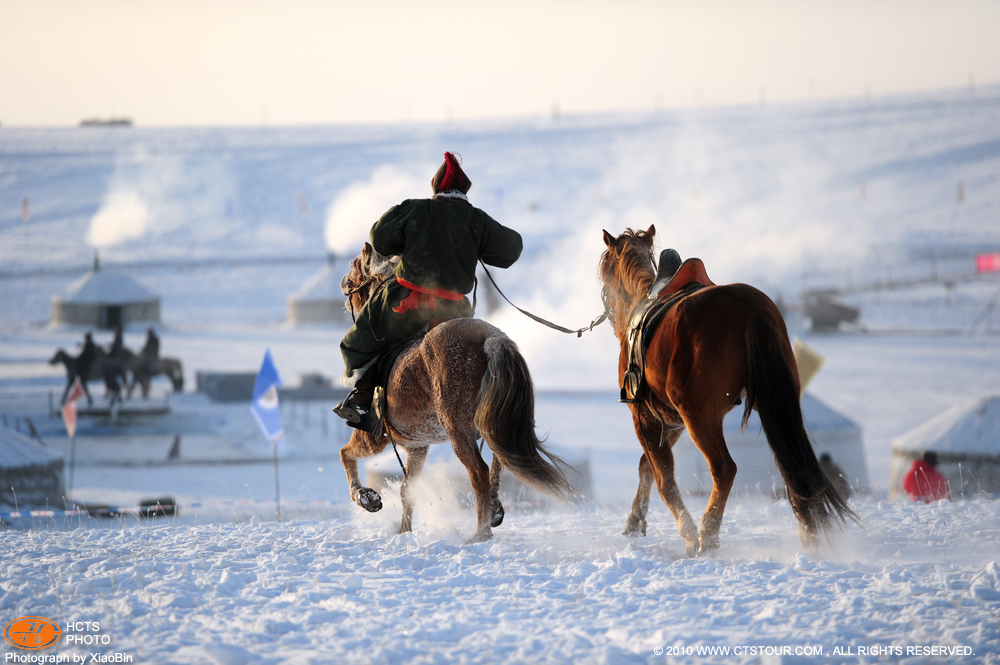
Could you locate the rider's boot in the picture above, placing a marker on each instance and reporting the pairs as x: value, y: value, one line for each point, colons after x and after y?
x: 359, y: 402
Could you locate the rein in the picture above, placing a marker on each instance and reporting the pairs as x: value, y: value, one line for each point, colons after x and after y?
x: 578, y: 332
x: 354, y: 288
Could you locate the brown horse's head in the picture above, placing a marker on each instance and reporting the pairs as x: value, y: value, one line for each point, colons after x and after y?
x: 60, y: 357
x: 367, y: 272
x: 627, y: 266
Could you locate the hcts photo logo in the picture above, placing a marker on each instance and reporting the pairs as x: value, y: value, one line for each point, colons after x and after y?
x: 32, y: 632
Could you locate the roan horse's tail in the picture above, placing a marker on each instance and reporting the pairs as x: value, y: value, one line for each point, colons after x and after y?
x: 772, y: 389
x: 505, y: 418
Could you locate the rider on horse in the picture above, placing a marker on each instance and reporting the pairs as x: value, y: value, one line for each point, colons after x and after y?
x: 150, y: 353
x: 87, y: 358
x: 439, y: 240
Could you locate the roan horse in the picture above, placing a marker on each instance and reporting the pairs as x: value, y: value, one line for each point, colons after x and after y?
x: 715, y: 347
x: 462, y: 380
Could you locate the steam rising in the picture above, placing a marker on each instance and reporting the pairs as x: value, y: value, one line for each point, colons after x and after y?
x: 350, y: 217
x: 153, y: 194
x: 122, y: 216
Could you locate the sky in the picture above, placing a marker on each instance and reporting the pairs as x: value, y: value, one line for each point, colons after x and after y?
x: 223, y: 62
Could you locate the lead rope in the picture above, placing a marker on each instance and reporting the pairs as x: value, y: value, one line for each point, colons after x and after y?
x: 578, y: 332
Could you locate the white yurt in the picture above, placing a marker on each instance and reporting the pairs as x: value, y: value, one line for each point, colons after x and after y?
x: 30, y: 476
x: 830, y: 432
x: 966, y: 439
x: 319, y: 299
x: 105, y: 299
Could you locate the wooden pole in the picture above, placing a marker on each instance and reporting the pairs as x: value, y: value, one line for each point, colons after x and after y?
x: 72, y: 464
x: 277, y: 490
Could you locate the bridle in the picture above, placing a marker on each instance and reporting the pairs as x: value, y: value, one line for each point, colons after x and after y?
x: 609, y: 312
x: 353, y: 288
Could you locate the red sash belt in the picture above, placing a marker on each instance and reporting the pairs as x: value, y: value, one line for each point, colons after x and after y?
x: 423, y: 296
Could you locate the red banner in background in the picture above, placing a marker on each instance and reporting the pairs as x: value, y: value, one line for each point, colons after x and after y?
x: 69, y: 408
x: 988, y: 262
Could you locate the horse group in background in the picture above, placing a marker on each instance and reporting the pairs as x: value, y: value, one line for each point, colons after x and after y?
x: 118, y: 367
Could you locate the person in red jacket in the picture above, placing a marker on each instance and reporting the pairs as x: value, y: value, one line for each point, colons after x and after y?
x: 923, y: 482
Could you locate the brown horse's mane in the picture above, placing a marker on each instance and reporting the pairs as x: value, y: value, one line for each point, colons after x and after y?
x: 627, y: 269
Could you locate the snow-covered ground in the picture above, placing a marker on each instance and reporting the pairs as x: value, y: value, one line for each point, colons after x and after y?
x: 783, y: 197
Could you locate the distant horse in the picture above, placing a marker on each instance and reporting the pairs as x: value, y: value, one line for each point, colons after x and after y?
x: 110, y: 370
x: 143, y: 371
x: 714, y: 347
x: 462, y: 380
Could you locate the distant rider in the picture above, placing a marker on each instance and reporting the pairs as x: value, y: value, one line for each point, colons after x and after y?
x: 86, y: 360
x: 150, y: 353
x: 439, y: 241
x: 115, y: 350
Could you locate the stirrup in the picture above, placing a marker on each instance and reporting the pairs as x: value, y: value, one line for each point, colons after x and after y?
x: 350, y: 412
x: 630, y: 384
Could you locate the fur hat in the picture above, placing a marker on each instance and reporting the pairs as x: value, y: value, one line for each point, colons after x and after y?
x: 450, y: 176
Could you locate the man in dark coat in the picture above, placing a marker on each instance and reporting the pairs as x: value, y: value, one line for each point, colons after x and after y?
x: 439, y: 241
x: 150, y: 353
x: 116, y: 346
x: 86, y: 360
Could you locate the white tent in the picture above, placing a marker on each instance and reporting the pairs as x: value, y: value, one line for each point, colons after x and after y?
x: 319, y: 299
x: 106, y: 300
x: 30, y: 476
x: 830, y: 432
x: 966, y: 439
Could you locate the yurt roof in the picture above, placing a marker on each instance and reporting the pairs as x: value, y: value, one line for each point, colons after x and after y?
x: 324, y: 285
x: 17, y: 450
x: 101, y: 287
x: 972, y: 427
x: 818, y: 417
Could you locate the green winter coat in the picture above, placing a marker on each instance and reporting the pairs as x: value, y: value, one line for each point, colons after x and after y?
x: 439, y: 242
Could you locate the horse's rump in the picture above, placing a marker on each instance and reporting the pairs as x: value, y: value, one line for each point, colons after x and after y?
x: 467, y: 375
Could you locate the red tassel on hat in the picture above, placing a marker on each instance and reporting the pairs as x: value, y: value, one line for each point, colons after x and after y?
x: 453, y: 176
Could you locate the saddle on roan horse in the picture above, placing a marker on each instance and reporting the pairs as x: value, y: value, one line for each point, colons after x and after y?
x: 674, y: 282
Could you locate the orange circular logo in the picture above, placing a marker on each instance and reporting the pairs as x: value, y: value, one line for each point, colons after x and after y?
x: 32, y: 632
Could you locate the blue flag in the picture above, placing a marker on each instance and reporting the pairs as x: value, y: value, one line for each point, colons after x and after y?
x: 265, y: 400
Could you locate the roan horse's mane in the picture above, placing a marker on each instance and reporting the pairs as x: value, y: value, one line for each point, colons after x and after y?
x: 382, y: 267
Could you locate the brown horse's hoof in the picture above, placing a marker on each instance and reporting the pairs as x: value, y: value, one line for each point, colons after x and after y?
x: 496, y: 514
x: 369, y: 500
x: 635, y: 528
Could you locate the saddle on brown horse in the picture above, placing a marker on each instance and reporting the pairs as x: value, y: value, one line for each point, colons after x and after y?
x: 674, y: 282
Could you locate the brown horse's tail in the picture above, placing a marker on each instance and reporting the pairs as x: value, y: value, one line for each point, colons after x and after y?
x: 773, y: 391
x: 505, y: 418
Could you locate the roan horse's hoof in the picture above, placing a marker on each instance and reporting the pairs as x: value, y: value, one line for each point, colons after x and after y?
x: 634, y: 528
x: 706, y: 545
x: 369, y: 500
x: 496, y: 514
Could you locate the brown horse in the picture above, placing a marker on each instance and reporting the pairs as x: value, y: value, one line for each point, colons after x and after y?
x: 715, y: 347
x: 462, y: 380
